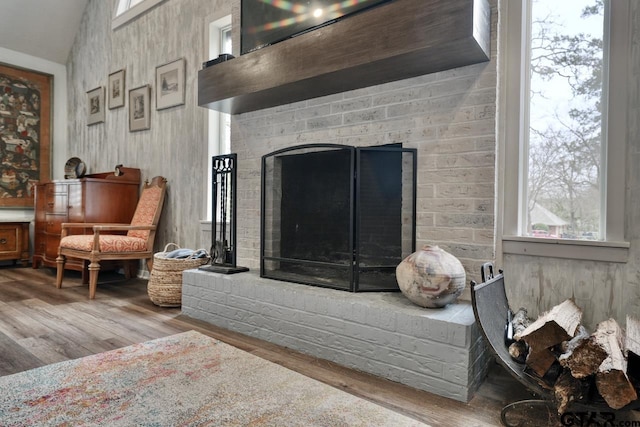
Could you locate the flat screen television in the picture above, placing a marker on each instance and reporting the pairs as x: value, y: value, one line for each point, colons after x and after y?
x: 265, y: 22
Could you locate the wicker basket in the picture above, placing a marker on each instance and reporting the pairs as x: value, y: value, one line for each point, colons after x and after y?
x: 165, y: 282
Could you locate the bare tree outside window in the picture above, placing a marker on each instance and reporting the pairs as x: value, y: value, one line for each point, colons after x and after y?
x: 565, y: 127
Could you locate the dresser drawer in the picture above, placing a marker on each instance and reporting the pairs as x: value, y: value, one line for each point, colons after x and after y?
x: 8, y: 240
x: 56, y: 187
x: 14, y: 241
x: 56, y: 203
x: 53, y: 223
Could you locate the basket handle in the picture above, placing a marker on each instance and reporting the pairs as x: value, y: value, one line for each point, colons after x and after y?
x: 168, y: 244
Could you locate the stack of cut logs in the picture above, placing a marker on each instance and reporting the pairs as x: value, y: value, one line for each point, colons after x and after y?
x: 565, y: 357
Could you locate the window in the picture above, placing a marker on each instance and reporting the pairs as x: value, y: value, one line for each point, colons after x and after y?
x: 128, y: 10
x: 562, y: 128
x: 219, y: 123
x: 124, y: 5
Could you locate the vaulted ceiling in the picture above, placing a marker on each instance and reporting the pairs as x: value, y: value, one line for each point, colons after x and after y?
x: 41, y: 28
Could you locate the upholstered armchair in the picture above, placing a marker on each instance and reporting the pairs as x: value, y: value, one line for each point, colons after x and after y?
x: 107, y: 241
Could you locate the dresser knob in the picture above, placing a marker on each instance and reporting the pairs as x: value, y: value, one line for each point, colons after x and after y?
x: 3, y: 241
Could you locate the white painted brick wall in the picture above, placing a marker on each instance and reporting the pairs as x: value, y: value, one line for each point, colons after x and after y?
x: 437, y: 350
x: 448, y: 116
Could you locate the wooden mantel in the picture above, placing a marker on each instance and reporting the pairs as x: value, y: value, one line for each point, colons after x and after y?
x: 397, y: 40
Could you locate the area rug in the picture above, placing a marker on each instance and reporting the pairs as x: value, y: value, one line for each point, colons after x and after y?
x: 187, y: 379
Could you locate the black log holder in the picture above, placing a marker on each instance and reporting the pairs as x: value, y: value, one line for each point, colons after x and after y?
x: 224, y: 212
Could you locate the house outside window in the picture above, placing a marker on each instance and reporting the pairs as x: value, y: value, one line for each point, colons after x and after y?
x: 562, y: 128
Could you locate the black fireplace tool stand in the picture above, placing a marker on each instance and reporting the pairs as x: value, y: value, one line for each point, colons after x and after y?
x: 224, y: 214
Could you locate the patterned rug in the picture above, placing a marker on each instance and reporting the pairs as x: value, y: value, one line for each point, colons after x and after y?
x: 187, y: 379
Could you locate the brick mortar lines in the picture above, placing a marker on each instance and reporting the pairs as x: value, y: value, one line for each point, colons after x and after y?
x: 356, y: 345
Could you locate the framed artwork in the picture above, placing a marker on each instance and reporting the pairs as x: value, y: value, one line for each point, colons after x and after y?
x: 95, y: 106
x: 25, y: 134
x: 170, y: 83
x: 139, y: 110
x: 116, y: 89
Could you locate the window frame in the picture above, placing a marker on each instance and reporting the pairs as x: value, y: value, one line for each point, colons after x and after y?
x: 216, y: 119
x: 513, y: 85
x: 131, y: 12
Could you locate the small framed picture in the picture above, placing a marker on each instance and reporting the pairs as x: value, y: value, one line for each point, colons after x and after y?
x: 139, y: 110
x: 170, y: 83
x: 116, y: 89
x: 95, y: 106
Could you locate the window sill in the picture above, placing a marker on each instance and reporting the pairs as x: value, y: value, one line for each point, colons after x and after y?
x: 591, y: 250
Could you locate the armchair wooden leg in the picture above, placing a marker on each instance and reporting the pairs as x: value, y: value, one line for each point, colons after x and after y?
x: 94, y: 268
x: 60, y: 270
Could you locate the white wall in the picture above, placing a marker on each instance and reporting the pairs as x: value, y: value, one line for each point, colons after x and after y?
x: 175, y: 146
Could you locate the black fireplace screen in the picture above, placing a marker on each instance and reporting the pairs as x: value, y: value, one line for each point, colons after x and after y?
x: 338, y: 216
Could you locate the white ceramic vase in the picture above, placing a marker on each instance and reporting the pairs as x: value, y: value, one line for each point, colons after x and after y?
x: 431, y: 277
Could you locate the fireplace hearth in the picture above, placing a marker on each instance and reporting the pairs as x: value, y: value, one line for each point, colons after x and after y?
x: 338, y: 216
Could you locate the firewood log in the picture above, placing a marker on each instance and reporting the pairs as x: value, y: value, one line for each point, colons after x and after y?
x: 611, y: 380
x: 568, y: 389
x: 632, y: 347
x: 540, y: 361
x: 520, y: 321
x: 569, y: 346
x: 553, y: 327
x: 518, y: 351
x: 632, y: 337
x: 582, y: 355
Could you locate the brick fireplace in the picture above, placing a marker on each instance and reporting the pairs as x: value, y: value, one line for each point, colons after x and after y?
x: 449, y: 118
x: 381, y: 333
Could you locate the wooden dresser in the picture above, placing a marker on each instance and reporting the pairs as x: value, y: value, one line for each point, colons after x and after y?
x: 101, y: 197
x: 14, y: 241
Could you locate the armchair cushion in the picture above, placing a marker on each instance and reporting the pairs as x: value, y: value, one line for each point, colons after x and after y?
x: 146, y: 210
x: 108, y: 243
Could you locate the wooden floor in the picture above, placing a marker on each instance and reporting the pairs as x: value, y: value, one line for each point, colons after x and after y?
x: 40, y: 324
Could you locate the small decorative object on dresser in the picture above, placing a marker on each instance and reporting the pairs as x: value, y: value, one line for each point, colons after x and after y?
x: 74, y: 168
x: 14, y: 241
x: 431, y: 277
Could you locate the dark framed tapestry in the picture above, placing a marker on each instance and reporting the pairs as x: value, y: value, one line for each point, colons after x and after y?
x: 25, y: 134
